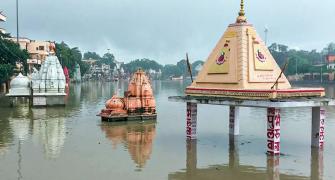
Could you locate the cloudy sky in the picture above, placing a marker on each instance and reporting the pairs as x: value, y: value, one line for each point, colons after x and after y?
x: 165, y: 29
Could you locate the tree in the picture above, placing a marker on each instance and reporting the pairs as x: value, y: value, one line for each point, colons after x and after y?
x: 195, y: 65
x: 282, y: 48
x: 170, y: 70
x: 109, y: 59
x: 144, y: 64
x: 330, y: 49
x: 6, y: 71
x: 299, y: 61
x: 91, y: 55
x: 84, y: 67
x: 69, y: 57
x: 10, y: 54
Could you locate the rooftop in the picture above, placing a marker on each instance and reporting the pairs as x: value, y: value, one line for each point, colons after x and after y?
x: 2, y: 17
x: 2, y: 30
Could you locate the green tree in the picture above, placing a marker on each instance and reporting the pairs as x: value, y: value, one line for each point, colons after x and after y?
x: 145, y: 64
x: 10, y: 54
x: 69, y: 57
x: 91, y: 55
x: 194, y: 65
x: 170, y: 70
x: 182, y: 66
x: 109, y: 59
x: 84, y: 67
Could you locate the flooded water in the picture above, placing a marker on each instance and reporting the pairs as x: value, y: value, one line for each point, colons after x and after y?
x: 72, y: 143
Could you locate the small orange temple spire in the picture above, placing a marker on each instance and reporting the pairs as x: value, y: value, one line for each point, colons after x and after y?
x: 241, y: 15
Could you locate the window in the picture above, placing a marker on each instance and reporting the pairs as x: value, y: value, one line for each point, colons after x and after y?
x: 41, y: 48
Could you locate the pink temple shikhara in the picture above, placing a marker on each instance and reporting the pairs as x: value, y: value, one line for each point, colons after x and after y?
x: 138, y: 102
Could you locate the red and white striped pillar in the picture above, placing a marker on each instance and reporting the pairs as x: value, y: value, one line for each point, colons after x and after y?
x: 273, y: 131
x: 234, y: 124
x: 318, y: 127
x: 191, y: 120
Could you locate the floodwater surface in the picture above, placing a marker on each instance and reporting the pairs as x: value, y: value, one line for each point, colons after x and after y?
x: 71, y: 143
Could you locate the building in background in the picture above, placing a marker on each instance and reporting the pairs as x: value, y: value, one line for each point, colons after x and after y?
x: 330, y: 59
x: 2, y: 19
x: 98, y: 70
x: 38, y: 50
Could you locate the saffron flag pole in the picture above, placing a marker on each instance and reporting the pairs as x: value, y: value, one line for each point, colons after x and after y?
x: 189, y: 67
x: 282, y: 71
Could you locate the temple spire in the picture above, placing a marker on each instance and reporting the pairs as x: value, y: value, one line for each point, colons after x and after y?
x: 241, y: 15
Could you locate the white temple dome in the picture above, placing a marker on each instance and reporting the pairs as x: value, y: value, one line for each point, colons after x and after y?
x: 20, y: 81
x: 19, y: 86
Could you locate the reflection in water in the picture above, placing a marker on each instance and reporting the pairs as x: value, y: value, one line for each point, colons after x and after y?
x: 235, y: 170
x: 234, y: 158
x: 33, y: 139
x: 316, y: 164
x: 19, y: 162
x: 137, y: 137
x: 41, y: 124
x: 14, y: 126
x: 19, y: 123
x: 50, y: 131
x: 272, y: 166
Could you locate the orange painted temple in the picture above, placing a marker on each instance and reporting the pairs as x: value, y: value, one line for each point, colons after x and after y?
x: 138, y: 102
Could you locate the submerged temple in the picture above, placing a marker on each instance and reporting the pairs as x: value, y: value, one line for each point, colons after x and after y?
x: 138, y: 101
x: 48, y: 83
x: 241, y: 66
x: 19, y: 86
x: 77, y: 74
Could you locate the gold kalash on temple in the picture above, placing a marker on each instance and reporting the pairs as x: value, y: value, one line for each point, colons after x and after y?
x: 241, y: 66
x: 138, y: 102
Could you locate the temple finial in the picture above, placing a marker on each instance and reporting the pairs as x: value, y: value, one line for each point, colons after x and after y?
x: 241, y: 15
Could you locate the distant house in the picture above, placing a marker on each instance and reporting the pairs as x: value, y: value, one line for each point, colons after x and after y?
x: 37, y: 50
x: 3, y: 19
x: 90, y: 61
x: 330, y: 58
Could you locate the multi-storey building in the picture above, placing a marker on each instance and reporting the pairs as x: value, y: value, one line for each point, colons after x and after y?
x: 38, y: 50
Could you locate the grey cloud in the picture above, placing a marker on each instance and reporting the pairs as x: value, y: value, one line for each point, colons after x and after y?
x: 165, y: 29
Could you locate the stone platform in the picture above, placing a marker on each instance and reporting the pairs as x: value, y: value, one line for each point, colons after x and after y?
x: 141, y: 117
x: 273, y: 115
x: 276, y: 103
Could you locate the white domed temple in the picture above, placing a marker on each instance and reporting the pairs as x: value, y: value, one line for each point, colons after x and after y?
x: 19, y: 91
x: 20, y: 86
x: 48, y: 83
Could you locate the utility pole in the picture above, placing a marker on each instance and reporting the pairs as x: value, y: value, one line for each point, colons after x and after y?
x: 321, y: 74
x: 17, y: 21
x: 296, y: 66
x: 266, y: 30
